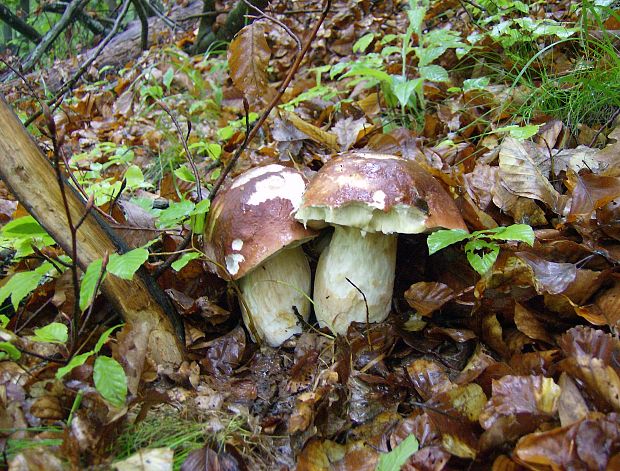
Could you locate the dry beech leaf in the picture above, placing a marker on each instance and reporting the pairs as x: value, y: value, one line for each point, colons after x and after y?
x: 589, y: 193
x: 521, y: 171
x: 346, y: 130
x: 428, y: 377
x: 572, y: 406
x: 429, y: 458
x: 313, y: 132
x: 468, y: 400
x: 428, y: 296
x: 602, y: 381
x: 526, y: 322
x: 549, y: 277
x: 587, y: 444
x: 248, y: 58
x: 521, y: 395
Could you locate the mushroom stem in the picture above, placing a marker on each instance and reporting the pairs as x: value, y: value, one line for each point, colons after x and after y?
x: 271, y: 290
x: 369, y: 261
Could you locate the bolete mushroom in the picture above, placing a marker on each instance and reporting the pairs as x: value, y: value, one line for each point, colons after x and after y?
x: 368, y: 198
x: 251, y: 236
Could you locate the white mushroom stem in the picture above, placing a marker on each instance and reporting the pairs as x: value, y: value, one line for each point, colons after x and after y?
x: 269, y: 293
x: 369, y: 261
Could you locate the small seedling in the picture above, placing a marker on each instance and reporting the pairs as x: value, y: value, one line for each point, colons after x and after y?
x: 481, y: 248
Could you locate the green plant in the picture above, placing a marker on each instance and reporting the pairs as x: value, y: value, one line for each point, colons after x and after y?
x: 481, y: 248
x: 400, y: 90
x: 395, y: 459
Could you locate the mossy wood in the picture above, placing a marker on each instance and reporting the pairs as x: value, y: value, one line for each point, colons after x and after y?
x: 31, y: 178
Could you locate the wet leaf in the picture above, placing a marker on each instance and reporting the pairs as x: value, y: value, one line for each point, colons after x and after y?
x: 550, y: 277
x: 427, y: 297
x: 248, y: 58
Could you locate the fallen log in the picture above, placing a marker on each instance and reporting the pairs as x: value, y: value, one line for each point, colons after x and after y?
x: 30, y: 177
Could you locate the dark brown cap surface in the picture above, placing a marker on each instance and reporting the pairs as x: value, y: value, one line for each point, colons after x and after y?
x: 378, y: 193
x: 252, y: 219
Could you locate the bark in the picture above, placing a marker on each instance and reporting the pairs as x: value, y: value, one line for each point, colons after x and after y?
x: 234, y: 22
x: 19, y: 25
x: 30, y: 177
x: 144, y: 23
x: 92, y: 24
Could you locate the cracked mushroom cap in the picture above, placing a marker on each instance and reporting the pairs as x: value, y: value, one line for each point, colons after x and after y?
x: 252, y: 219
x: 378, y: 193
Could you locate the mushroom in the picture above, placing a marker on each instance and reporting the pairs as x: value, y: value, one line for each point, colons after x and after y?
x: 251, y: 236
x: 368, y: 198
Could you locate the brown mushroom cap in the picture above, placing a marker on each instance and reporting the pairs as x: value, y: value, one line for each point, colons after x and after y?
x: 252, y: 219
x: 378, y: 193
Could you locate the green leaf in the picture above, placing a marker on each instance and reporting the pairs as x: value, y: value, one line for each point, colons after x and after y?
x: 89, y: 284
x: 19, y: 286
x: 362, y: 43
x: 4, y: 321
x: 369, y: 73
x: 175, y: 213
x: 104, y: 337
x: 199, y: 216
x: 124, y: 266
x: 479, y: 83
x: 11, y: 351
x: 441, y: 239
x: 25, y: 226
x: 184, y: 260
x: 135, y: 178
x: 185, y: 174
x: 520, y: 232
x: 434, y: 73
x: 168, y: 76
x: 481, y: 262
x: 403, y: 88
x: 394, y: 460
x: 51, y: 333
x: 76, y: 361
x: 110, y: 380
x: 520, y: 132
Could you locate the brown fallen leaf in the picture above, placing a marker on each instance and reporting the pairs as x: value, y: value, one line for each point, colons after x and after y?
x: 428, y: 296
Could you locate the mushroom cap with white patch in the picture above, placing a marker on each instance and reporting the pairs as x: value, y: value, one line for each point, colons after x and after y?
x: 251, y: 220
x: 377, y: 193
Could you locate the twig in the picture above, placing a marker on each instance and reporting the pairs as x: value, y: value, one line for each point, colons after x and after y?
x: 188, y: 154
x: 367, y: 311
x: 73, y: 80
x: 274, y: 101
x: 276, y: 21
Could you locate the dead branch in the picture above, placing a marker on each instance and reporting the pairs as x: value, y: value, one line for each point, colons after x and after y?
x: 19, y: 25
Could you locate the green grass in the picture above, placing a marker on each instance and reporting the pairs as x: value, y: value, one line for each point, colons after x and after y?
x: 16, y: 445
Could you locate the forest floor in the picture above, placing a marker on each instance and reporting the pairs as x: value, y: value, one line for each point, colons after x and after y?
x: 501, y: 350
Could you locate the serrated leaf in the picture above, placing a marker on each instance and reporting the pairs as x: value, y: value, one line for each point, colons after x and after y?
x: 248, y: 59
x: 76, y: 361
x: 11, y: 351
x: 19, y: 286
x: 481, y: 254
x: 434, y: 73
x: 110, y: 380
x: 104, y: 337
x: 175, y: 213
x: 126, y: 265
x: 441, y: 239
x: 394, y: 460
x: 51, y: 333
x: 519, y: 232
x: 362, y: 43
x: 89, y: 284
x: 185, y: 174
x: 184, y: 260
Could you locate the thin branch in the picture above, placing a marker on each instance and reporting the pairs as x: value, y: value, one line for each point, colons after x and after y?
x: 274, y: 101
x: 73, y: 80
x: 276, y: 21
x: 19, y: 25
